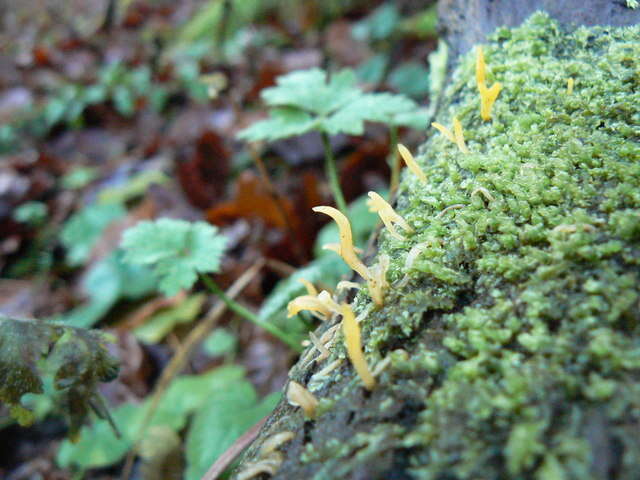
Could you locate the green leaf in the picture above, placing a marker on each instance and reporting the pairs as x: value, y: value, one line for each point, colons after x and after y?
x: 282, y: 123
x: 379, y: 25
x: 306, y: 100
x: 109, y: 280
x: 79, y: 177
x: 99, y: 447
x: 160, y: 324
x: 132, y: 188
x: 309, y: 90
x: 33, y: 213
x: 77, y: 359
x: 372, y: 70
x: 175, y: 250
x: 220, y: 342
x: 83, y: 229
x: 225, y: 417
x: 410, y: 78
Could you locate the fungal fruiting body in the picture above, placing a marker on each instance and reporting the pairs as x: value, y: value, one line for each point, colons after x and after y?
x: 487, y: 95
x: 388, y: 215
x: 378, y: 282
x: 347, y: 251
x: 411, y: 163
x: 298, y: 396
x: 457, y: 136
x: 311, y: 289
x: 570, y: 83
x: 353, y: 342
x: 322, y: 304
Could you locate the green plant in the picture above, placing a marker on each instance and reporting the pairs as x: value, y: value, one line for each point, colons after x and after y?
x: 178, y: 253
x: 74, y: 359
x: 310, y: 100
x: 216, y: 407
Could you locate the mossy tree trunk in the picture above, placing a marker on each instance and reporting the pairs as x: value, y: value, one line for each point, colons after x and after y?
x: 512, y: 339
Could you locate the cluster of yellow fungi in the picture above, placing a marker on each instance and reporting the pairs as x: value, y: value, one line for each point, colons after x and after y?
x: 322, y: 304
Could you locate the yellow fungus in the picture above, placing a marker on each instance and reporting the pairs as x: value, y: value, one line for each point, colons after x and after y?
x: 272, y: 443
x: 335, y: 247
x: 321, y: 303
x: 456, y: 137
x: 307, y: 302
x: 311, y: 290
x: 411, y: 162
x: 353, y: 342
x: 570, y: 83
x: 378, y: 282
x: 445, y: 131
x: 326, y: 370
x: 457, y: 132
x: 269, y: 466
x: 298, y: 396
x: 324, y: 352
x: 387, y: 214
x: 487, y: 95
x: 346, y: 240
x: 346, y: 285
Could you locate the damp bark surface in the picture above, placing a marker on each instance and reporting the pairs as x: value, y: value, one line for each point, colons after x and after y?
x: 511, y: 335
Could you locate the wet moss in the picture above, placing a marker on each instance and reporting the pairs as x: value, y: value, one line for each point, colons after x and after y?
x: 513, y: 340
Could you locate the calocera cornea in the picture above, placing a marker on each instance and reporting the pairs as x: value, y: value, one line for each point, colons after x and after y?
x: 353, y: 342
x: 412, y: 165
x: 388, y: 215
x: 347, y: 251
x: 298, y: 396
x: 457, y: 136
x: 488, y: 96
x: 322, y: 304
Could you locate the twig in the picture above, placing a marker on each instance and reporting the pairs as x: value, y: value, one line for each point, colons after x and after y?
x: 179, y: 360
x: 224, y: 460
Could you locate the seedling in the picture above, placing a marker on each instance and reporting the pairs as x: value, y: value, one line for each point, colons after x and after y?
x: 180, y: 252
x: 310, y: 100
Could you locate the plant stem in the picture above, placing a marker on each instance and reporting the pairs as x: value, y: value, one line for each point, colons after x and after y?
x: 395, y: 159
x: 332, y: 175
x: 249, y: 315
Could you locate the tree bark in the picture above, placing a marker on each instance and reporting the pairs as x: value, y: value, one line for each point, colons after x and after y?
x: 509, y: 347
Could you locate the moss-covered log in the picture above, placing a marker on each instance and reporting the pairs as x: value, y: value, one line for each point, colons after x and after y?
x: 509, y: 339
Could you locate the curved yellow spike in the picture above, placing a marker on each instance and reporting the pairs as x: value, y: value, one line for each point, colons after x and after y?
x: 444, y: 130
x: 570, y: 83
x: 311, y: 290
x: 411, y: 162
x: 459, y: 136
x: 387, y: 214
x: 487, y: 95
x: 307, y: 302
x: 353, y: 342
x: 347, y: 251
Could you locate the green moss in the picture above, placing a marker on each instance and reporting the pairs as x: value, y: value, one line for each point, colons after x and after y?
x: 515, y: 343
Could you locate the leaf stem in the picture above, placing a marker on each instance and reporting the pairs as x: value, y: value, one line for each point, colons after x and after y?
x: 249, y: 315
x: 395, y: 159
x: 332, y: 175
